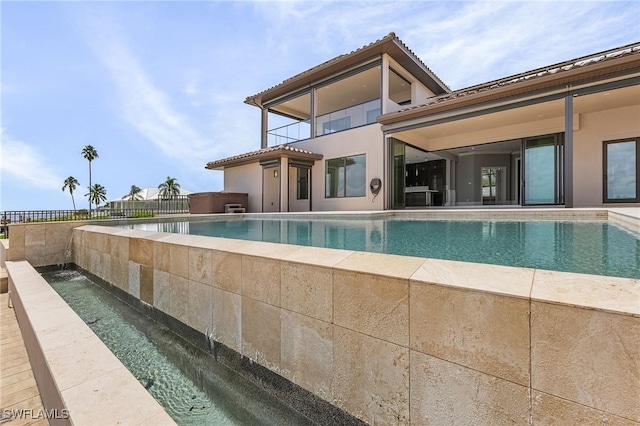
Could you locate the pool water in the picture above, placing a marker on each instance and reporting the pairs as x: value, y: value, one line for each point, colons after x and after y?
x: 589, y: 247
x: 192, y: 388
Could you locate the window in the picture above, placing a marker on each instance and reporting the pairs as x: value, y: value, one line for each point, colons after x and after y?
x: 621, y: 170
x: 346, y: 177
x: 302, y: 183
x: 399, y: 88
x: 336, y: 125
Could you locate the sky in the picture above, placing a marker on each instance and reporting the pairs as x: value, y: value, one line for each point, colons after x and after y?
x: 158, y: 87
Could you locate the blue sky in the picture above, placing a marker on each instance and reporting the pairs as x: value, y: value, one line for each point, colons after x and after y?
x: 158, y: 88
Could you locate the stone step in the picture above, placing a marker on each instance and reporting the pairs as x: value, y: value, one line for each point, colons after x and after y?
x: 233, y: 208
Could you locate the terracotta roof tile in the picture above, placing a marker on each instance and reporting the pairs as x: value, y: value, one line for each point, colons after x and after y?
x: 633, y: 49
x: 274, y: 151
x: 389, y: 38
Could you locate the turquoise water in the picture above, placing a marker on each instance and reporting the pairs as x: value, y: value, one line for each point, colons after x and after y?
x: 192, y: 389
x: 590, y: 247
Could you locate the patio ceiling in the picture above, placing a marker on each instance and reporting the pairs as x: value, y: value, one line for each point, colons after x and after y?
x: 482, y: 128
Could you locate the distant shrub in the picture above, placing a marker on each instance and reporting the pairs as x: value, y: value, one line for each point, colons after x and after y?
x: 140, y: 214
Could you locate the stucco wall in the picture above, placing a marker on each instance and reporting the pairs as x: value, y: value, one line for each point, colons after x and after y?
x: 595, y: 128
x: 363, y: 140
x: 247, y: 178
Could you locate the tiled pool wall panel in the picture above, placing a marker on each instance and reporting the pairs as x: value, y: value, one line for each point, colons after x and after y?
x: 310, y: 405
x: 394, y: 339
x: 75, y: 372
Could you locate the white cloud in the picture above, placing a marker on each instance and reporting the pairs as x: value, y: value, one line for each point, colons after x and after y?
x: 145, y: 106
x: 24, y: 164
x: 464, y: 43
x: 192, y: 89
x: 478, y: 42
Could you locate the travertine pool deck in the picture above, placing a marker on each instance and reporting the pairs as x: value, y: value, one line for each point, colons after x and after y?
x: 18, y: 389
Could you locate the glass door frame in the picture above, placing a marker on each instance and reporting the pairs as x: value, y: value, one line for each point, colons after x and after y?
x: 605, y: 171
x: 397, y: 175
x: 558, y: 170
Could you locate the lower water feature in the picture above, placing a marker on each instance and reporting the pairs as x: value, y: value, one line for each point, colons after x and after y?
x: 589, y: 247
x: 192, y: 387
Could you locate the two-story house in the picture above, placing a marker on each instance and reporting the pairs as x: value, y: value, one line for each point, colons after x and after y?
x: 376, y: 129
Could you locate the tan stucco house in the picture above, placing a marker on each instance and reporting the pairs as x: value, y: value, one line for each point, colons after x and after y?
x: 376, y: 129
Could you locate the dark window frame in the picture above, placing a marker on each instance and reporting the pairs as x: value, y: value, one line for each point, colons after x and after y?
x: 302, y: 183
x: 605, y: 145
x: 334, y: 189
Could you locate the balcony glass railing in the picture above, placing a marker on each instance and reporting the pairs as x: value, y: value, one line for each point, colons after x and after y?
x: 336, y: 121
x: 348, y: 118
x: 293, y: 132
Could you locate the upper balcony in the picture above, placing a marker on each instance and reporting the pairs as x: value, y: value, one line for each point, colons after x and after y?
x: 343, y: 103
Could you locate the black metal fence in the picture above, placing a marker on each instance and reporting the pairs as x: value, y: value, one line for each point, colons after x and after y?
x: 134, y: 209
x: 176, y: 204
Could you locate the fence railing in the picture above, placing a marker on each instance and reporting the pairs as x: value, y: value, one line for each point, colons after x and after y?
x: 129, y: 209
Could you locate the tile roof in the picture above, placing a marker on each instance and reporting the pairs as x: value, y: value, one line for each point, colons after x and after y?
x: 556, y: 70
x: 389, y: 44
x: 262, y: 154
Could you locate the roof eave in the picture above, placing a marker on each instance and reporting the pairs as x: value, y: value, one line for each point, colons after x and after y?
x: 389, y: 44
x: 524, y: 88
x: 272, y: 155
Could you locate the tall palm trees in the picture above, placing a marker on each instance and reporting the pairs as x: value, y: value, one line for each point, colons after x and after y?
x: 71, y: 183
x: 97, y: 194
x: 169, y: 188
x: 90, y: 154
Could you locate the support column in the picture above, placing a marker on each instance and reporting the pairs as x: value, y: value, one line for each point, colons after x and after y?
x: 568, y: 150
x: 312, y: 115
x: 284, y: 184
x: 264, y: 128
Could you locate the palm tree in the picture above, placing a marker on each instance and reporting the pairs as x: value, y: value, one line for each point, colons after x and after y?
x: 90, y: 154
x: 134, y: 193
x: 97, y: 194
x: 71, y: 183
x: 169, y: 188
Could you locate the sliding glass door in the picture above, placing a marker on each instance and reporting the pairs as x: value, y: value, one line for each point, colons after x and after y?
x: 543, y: 170
x: 398, y: 174
x: 621, y: 170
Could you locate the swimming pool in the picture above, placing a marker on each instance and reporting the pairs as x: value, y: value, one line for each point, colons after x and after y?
x: 594, y: 247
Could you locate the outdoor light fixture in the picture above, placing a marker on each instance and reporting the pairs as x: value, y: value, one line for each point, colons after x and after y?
x: 275, y: 173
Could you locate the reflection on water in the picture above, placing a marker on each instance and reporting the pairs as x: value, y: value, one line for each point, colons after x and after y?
x: 584, y: 247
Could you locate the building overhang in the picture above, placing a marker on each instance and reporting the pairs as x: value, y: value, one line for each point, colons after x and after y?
x: 266, y: 156
x: 389, y: 44
x: 616, y: 68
